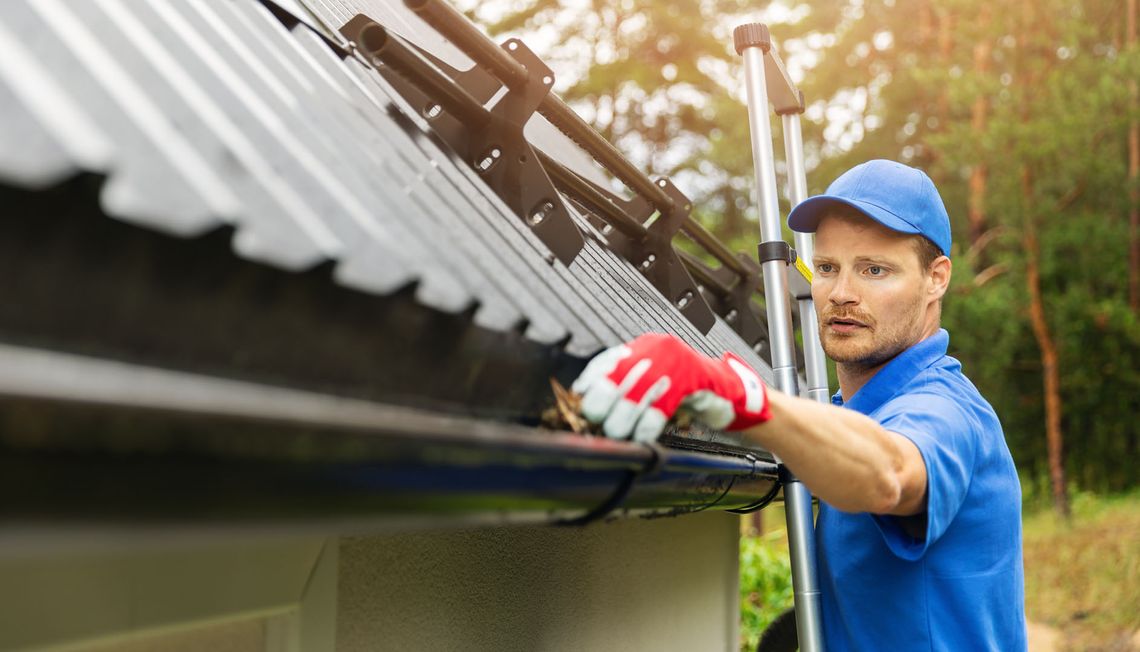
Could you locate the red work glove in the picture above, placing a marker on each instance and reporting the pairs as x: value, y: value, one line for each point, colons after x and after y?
x: 633, y: 389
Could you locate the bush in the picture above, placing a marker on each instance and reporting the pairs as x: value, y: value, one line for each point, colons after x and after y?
x: 765, y: 584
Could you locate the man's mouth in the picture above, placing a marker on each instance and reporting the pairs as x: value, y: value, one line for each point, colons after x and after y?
x: 845, y: 324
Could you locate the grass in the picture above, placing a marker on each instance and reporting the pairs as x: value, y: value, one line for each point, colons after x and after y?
x: 1083, y: 577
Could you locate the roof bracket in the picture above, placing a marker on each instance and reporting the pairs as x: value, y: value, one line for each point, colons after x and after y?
x: 491, y: 139
x: 480, y: 113
x: 736, y: 306
x: 651, y: 252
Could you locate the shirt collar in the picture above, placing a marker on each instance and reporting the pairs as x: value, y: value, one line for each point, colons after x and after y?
x: 897, y: 373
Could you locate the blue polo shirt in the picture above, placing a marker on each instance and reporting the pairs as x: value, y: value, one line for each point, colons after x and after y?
x: 961, y: 586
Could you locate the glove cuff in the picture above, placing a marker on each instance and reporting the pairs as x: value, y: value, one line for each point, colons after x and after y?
x: 751, y: 405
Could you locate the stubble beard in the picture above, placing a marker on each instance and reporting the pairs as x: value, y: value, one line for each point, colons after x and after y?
x: 881, y: 342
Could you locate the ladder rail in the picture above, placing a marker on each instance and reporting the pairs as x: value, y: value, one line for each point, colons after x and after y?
x: 753, y: 43
x: 775, y: 271
x: 815, y: 364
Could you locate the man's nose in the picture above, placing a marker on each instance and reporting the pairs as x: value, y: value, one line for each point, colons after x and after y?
x: 843, y: 290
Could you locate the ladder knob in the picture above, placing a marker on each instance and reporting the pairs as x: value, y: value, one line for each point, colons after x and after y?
x: 751, y: 35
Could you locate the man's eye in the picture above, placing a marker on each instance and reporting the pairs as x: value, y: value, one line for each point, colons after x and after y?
x: 825, y: 268
x: 875, y: 270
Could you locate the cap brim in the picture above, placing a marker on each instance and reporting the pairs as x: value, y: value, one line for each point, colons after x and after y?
x: 806, y: 216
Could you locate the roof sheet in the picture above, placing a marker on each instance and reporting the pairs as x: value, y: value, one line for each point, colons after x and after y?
x: 203, y: 114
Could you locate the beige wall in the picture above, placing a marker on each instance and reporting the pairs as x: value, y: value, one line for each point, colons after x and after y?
x: 667, y: 584
x: 135, y: 594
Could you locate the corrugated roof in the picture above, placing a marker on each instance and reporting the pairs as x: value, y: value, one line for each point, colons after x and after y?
x: 202, y: 115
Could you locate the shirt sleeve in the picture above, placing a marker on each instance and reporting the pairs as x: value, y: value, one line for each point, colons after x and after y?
x: 947, y: 438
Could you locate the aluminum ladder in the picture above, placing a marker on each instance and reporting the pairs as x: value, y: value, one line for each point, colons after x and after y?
x: 767, y: 81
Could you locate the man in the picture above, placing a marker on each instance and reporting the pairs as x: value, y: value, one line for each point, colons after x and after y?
x: 919, y: 526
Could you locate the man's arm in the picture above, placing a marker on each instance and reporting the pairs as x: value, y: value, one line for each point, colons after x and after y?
x: 845, y: 458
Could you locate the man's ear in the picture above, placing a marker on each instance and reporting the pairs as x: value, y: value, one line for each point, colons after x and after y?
x: 939, y: 274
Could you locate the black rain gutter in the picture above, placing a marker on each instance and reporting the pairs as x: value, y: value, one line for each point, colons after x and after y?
x: 87, y: 441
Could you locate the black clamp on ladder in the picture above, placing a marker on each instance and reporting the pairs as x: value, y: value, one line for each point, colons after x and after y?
x: 775, y: 250
x: 798, y: 286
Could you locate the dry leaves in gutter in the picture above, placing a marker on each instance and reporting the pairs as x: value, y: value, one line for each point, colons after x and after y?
x: 566, y: 414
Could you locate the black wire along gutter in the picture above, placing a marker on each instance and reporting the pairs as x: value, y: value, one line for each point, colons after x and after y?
x: 86, y: 441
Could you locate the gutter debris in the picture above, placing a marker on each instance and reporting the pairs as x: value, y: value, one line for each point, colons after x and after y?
x: 566, y: 415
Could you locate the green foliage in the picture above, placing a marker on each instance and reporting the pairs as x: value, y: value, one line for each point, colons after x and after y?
x: 1054, y: 118
x: 765, y: 584
x: 1051, y: 77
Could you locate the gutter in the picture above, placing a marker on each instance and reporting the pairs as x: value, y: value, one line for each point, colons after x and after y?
x: 92, y: 443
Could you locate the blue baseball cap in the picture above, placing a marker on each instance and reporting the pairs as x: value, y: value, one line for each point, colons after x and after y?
x: 897, y: 196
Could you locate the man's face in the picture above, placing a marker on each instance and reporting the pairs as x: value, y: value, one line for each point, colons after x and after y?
x: 871, y: 293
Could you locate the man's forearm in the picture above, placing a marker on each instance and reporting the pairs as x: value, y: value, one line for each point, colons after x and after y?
x: 845, y: 458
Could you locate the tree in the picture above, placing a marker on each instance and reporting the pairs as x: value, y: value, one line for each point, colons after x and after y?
x: 1133, y: 172
x: 1018, y: 116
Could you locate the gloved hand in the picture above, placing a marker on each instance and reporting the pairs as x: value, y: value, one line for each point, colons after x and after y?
x: 633, y: 389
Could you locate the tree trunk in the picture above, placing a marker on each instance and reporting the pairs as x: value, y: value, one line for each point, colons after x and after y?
x: 929, y: 20
x: 1133, y: 176
x: 945, y: 53
x: 925, y: 24
x: 757, y: 519
x: 1049, y: 365
x: 976, y: 205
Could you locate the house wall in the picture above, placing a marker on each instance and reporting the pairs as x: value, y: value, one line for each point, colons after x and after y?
x: 177, y: 592
x: 667, y: 584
